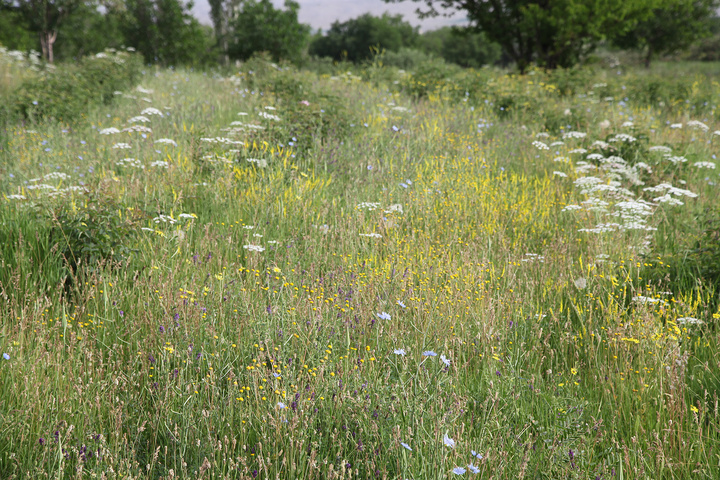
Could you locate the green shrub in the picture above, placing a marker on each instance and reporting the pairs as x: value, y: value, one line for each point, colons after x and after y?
x: 64, y: 93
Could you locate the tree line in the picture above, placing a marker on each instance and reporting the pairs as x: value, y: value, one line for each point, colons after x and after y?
x: 547, y: 33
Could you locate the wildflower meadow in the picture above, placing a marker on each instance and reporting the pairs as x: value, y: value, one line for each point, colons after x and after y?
x: 272, y: 273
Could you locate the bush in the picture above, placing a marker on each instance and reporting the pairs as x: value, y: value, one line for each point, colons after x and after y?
x: 64, y: 93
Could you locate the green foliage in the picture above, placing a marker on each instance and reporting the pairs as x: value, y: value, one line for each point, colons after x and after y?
x: 88, y: 31
x: 97, y: 233
x: 15, y: 31
x: 360, y: 38
x: 550, y: 34
x: 260, y: 27
x: 673, y: 26
x: 30, y: 263
x: 66, y: 92
x: 165, y: 32
x: 463, y: 47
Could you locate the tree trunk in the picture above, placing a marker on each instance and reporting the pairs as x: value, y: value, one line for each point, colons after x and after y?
x: 47, y: 40
x: 648, y: 57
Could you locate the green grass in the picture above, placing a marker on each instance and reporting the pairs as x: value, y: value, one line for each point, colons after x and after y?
x: 148, y: 338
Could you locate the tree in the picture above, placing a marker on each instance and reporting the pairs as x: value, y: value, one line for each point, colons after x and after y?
x: 88, y: 30
x: 551, y: 33
x: 42, y: 17
x: 463, y: 47
x: 356, y: 39
x: 165, y: 32
x: 15, y: 32
x: 673, y: 26
x: 260, y: 27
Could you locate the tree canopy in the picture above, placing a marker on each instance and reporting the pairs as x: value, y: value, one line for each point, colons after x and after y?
x: 551, y: 33
x: 674, y: 25
x: 260, y: 27
x: 358, y: 38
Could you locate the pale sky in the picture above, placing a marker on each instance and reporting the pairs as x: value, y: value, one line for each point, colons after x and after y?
x: 322, y: 13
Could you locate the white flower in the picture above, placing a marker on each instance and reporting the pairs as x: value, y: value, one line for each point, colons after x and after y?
x: 580, y: 283
x: 628, y: 124
x: 569, y: 208
x: 574, y: 135
x: 368, y: 205
x: 660, y: 148
x: 542, y: 135
x: 604, y: 124
x: 129, y: 162
x: 556, y: 144
x: 709, y: 165
x: 699, y: 125
x: 260, y: 162
x: 109, y: 131
x: 122, y: 146
x: 254, y: 248
x: 371, y: 235
x: 166, y: 141
x: 395, y: 208
x: 139, y: 118
x: 578, y: 150
x: 160, y: 163
x: 269, y: 116
x: 142, y: 90
x: 676, y: 159
x: 151, y: 111
x: 689, y: 321
x: 676, y: 125
x: 540, y: 145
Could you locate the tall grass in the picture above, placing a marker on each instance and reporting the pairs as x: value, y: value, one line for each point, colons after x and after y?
x: 404, y: 280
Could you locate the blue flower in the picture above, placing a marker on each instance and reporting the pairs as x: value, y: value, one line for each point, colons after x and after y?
x: 429, y: 353
x: 473, y: 468
x: 459, y: 470
x: 6, y: 356
x: 476, y: 454
x: 449, y: 442
x: 445, y: 360
x: 406, y: 446
x: 401, y: 304
x: 383, y: 316
x: 399, y: 351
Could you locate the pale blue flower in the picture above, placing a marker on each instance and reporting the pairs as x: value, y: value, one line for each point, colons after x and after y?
x: 401, y: 304
x: 399, y: 351
x: 281, y: 405
x: 448, y: 441
x: 476, y: 454
x: 445, y: 360
x: 383, y: 316
x: 6, y: 356
x: 429, y: 353
x: 473, y: 468
x: 406, y: 446
x: 459, y: 470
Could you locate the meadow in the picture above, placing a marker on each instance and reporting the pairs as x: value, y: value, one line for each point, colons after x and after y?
x: 369, y: 273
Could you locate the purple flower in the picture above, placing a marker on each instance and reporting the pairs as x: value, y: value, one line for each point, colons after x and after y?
x: 41, y: 441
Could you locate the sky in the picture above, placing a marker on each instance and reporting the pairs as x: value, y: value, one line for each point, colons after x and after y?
x: 320, y: 14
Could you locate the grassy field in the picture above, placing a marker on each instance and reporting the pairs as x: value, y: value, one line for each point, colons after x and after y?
x: 275, y: 274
